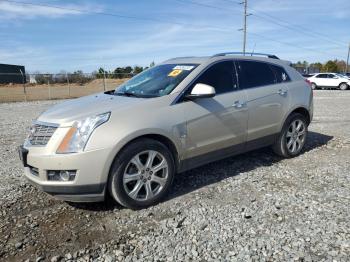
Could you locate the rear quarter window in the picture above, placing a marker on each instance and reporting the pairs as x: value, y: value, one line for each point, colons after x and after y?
x: 280, y: 73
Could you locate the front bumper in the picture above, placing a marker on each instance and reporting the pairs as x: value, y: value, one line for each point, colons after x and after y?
x: 89, y: 184
x: 86, y: 193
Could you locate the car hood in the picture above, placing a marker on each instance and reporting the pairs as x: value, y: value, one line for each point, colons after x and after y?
x: 80, y: 108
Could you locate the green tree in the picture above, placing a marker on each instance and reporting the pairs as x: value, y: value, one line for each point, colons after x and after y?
x: 341, y: 64
x: 305, y: 64
x: 100, y: 73
x: 316, y: 67
x: 330, y: 66
x: 44, y: 79
x: 137, y: 69
x: 78, y: 77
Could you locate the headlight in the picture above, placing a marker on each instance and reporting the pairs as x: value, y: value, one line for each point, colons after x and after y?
x: 79, y: 134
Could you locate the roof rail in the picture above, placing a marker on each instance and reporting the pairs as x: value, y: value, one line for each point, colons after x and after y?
x: 247, y: 54
x: 182, y: 57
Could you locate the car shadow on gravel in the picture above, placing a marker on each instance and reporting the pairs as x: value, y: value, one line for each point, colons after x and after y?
x: 192, y: 180
x: 107, y: 205
x: 217, y: 171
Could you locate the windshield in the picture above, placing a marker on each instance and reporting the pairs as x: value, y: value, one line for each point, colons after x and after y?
x: 156, y: 81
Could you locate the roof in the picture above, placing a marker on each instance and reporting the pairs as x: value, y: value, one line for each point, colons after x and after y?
x: 219, y: 57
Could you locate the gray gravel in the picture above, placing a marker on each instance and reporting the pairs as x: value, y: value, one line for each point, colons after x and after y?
x: 251, y: 207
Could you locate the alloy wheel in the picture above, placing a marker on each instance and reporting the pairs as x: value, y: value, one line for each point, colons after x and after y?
x: 295, y: 136
x: 343, y: 86
x: 145, y: 175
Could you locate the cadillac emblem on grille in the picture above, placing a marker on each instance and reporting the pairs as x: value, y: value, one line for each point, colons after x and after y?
x: 40, y: 135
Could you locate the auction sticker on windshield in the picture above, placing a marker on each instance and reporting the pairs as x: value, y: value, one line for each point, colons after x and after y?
x: 184, y: 67
x: 179, y: 69
x: 175, y: 72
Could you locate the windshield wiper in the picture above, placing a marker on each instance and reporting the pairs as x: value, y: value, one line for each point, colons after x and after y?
x: 126, y: 93
x: 130, y: 94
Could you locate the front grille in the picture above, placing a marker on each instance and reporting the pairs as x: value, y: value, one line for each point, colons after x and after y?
x: 41, y: 134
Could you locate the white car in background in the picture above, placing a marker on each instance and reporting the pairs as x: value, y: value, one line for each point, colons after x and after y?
x: 329, y: 80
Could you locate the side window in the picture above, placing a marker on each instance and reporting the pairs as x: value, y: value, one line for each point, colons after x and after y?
x: 254, y: 74
x: 331, y: 76
x: 221, y: 76
x: 280, y: 73
x: 321, y: 76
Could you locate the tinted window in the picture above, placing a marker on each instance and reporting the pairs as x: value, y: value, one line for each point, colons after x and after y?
x: 321, y: 76
x: 280, y: 73
x: 221, y: 76
x: 253, y: 74
x: 331, y: 76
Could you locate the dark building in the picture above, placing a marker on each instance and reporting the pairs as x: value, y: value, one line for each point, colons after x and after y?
x: 12, y: 74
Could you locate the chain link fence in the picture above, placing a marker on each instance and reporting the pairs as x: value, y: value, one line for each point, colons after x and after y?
x: 29, y: 87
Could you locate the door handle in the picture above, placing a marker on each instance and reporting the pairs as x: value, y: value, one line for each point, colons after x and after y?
x: 282, y: 92
x: 238, y: 104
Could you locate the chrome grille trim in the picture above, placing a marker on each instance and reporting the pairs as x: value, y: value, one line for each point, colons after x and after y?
x: 41, y: 133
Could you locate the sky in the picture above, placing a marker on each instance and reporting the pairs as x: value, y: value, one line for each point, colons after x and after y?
x: 52, y: 36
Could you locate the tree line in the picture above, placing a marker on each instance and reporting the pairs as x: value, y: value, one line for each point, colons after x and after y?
x: 336, y: 66
x: 128, y: 71
x: 80, y: 77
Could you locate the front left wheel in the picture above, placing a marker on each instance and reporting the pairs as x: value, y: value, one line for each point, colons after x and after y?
x: 141, y: 174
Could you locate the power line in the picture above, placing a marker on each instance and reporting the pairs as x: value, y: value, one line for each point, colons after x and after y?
x: 287, y: 24
x: 298, y: 29
x: 172, y: 22
x: 114, y: 15
x: 155, y: 19
x: 202, y: 4
x: 288, y: 44
x: 271, y: 19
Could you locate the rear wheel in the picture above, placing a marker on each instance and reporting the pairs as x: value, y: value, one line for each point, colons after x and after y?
x: 313, y: 86
x: 142, y: 174
x: 343, y: 86
x: 292, y: 137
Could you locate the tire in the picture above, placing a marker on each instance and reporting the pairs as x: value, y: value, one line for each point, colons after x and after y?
x: 343, y: 86
x: 292, y: 138
x: 313, y: 86
x: 134, y: 180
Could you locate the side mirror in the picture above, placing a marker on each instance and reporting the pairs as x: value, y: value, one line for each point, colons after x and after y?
x: 201, y: 91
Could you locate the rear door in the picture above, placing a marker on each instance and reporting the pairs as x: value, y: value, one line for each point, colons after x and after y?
x: 267, y: 99
x: 220, y: 122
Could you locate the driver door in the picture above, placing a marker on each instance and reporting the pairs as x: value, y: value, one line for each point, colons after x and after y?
x: 217, y: 126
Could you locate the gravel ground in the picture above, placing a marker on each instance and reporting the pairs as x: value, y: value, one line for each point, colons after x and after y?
x: 251, y: 207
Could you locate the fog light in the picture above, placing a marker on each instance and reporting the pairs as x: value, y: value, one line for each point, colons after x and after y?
x: 64, y: 175
x: 61, y: 175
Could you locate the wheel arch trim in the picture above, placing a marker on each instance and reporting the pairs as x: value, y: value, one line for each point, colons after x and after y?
x: 302, y: 109
x: 172, y: 144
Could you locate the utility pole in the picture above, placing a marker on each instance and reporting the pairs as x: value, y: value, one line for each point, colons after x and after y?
x: 245, y: 25
x: 347, y: 60
x: 244, y: 29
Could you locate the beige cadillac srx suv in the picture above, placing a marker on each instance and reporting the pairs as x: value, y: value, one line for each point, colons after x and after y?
x: 186, y: 112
